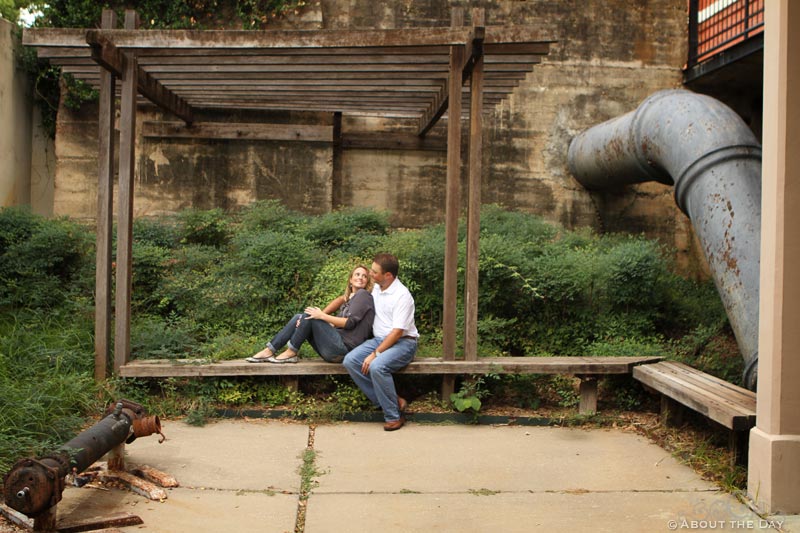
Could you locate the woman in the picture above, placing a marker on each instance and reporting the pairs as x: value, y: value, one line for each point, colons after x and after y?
x: 331, y: 336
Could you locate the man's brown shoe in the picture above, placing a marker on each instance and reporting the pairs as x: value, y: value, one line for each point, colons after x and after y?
x: 394, y: 425
x: 402, y: 404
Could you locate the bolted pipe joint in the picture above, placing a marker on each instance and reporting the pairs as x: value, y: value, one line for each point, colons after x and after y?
x: 33, y: 486
x: 703, y: 148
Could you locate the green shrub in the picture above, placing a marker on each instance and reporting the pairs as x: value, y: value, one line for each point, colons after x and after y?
x: 157, y: 338
x: 345, y: 229
x: 200, y: 292
x: 209, y: 227
x: 270, y: 215
x: 282, y: 265
x: 149, y: 264
x: 635, y: 273
x: 16, y: 226
x: 44, y: 262
x: 161, y: 232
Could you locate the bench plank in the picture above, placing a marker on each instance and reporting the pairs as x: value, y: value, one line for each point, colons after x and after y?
x: 723, y: 388
x: 155, y: 368
x: 689, y: 387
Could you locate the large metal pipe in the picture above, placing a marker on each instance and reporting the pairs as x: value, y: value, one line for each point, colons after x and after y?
x: 33, y: 486
x: 713, y: 159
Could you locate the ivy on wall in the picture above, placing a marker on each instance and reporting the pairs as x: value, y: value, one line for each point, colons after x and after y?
x: 153, y: 14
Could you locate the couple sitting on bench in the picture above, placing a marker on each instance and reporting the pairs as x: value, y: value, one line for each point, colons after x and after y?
x: 373, y: 335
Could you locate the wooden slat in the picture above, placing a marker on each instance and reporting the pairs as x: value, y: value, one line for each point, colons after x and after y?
x: 111, y: 58
x: 244, y: 131
x: 311, y: 367
x: 691, y: 387
x: 472, y: 49
x: 725, y: 389
x: 705, y: 400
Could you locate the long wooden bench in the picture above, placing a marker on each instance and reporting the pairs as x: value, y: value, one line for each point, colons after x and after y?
x: 725, y: 403
x: 588, y: 369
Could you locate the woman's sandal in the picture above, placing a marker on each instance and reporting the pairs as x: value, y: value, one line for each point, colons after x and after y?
x: 274, y: 359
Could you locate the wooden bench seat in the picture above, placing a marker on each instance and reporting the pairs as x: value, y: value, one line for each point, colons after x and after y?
x: 725, y: 403
x: 588, y: 369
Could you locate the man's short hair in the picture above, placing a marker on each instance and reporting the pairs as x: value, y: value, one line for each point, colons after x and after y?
x: 388, y: 263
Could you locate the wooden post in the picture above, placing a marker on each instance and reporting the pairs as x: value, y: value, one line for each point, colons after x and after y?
x: 337, y: 168
x: 588, y: 394
x: 105, y: 216
x: 47, y: 521
x: 127, y: 163
x: 452, y: 205
x: 474, y: 201
x: 116, y: 458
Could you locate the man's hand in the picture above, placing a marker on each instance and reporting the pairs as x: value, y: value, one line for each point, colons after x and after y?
x: 367, y: 362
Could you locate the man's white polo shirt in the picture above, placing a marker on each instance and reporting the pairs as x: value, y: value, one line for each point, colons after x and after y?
x: 394, y: 309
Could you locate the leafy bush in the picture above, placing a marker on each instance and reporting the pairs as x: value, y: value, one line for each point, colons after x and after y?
x: 345, y: 229
x: 156, y: 338
x: 149, y: 262
x: 215, y: 285
x: 283, y: 264
x: 209, y: 228
x: 42, y: 262
x: 161, y: 232
x: 270, y: 215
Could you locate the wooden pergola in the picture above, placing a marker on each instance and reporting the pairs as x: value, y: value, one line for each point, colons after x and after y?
x: 419, y: 74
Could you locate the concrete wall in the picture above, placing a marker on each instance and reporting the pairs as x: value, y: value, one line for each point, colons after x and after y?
x: 610, y: 55
x: 15, y: 123
x: 27, y: 153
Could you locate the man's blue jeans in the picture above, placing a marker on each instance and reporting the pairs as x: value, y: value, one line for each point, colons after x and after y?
x: 324, y: 338
x: 378, y: 384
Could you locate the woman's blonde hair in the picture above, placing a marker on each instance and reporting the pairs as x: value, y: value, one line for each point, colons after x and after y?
x: 349, y: 288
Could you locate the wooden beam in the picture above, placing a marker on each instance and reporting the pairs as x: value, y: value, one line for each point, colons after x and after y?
x: 176, y: 41
x: 107, y: 55
x: 392, y: 141
x: 154, y: 368
x: 474, y: 202
x: 127, y: 165
x: 243, y: 131
x: 230, y: 39
x: 337, y: 164
x: 452, y: 206
x: 105, y: 215
x: 473, y: 49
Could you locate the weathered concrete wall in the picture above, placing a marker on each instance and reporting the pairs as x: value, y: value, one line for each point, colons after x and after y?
x: 43, y: 167
x: 15, y: 123
x: 610, y: 55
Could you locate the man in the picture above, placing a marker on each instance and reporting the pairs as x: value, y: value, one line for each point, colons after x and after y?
x: 394, y: 345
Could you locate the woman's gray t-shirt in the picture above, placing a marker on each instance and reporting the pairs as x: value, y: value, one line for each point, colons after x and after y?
x: 360, y: 313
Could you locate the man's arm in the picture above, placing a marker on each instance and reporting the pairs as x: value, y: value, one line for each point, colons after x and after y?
x: 387, y: 343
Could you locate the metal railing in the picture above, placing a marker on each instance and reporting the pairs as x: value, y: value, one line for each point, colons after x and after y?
x: 716, y: 25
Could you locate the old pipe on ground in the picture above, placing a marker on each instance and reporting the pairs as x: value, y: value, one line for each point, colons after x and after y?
x: 713, y: 159
x: 33, y: 486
